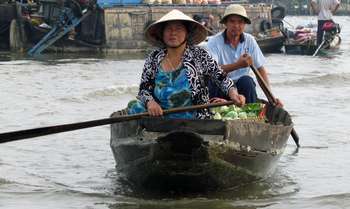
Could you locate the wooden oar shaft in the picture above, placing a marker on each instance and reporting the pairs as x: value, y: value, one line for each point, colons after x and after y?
x: 264, y: 87
x: 272, y: 100
x: 319, y: 47
x: 36, y: 132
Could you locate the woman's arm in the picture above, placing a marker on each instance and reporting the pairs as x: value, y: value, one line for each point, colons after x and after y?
x: 237, y: 98
x: 147, y: 82
x: 147, y: 86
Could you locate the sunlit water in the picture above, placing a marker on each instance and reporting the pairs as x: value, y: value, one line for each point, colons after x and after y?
x: 76, y: 169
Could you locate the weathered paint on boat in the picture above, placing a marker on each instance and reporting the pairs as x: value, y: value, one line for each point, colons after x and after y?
x: 198, y: 155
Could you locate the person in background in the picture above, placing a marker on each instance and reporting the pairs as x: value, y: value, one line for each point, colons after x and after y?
x: 235, y: 51
x: 175, y: 74
x: 206, y: 20
x: 325, y: 10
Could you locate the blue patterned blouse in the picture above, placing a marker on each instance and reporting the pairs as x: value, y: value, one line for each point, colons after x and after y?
x: 172, y: 89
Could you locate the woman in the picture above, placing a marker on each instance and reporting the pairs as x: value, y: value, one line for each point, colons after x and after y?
x: 176, y: 74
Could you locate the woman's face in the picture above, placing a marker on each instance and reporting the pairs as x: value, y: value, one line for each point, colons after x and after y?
x: 174, y: 34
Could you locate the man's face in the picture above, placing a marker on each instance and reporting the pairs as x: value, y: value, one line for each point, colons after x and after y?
x: 235, y: 25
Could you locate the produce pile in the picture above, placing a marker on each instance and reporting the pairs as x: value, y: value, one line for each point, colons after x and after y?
x: 232, y: 112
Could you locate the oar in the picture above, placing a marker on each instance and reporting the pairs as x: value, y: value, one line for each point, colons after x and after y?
x: 272, y: 99
x: 35, y: 132
x: 318, y: 49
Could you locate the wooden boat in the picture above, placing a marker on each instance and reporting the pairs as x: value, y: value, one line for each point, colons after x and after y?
x: 271, y: 44
x: 309, y: 48
x: 307, y: 45
x: 159, y: 154
x: 8, y: 13
x: 25, y: 25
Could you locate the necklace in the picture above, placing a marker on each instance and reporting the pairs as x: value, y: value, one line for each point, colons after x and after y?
x: 172, y: 68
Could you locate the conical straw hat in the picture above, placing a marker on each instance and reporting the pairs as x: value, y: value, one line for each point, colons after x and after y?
x: 196, y: 34
x: 235, y: 9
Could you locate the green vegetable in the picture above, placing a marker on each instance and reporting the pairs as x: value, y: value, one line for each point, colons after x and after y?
x: 232, y: 114
x: 252, y: 115
x: 242, y: 115
x: 226, y: 118
x: 217, y: 116
x: 253, y: 107
x: 235, y: 108
x: 224, y: 109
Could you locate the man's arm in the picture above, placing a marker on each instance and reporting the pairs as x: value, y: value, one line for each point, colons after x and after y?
x: 263, y: 73
x: 314, y: 7
x: 231, y: 67
x: 337, y: 4
x: 244, y: 61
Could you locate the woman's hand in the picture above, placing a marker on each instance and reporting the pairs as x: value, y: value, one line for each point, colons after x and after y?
x: 217, y: 100
x: 154, y: 108
x: 237, y: 98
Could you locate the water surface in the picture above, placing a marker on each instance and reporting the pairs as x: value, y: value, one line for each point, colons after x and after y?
x: 76, y: 169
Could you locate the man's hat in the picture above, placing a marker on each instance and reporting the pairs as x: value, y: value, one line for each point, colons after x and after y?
x: 196, y: 34
x: 235, y: 9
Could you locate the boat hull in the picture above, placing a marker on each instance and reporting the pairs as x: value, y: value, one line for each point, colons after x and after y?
x: 197, y: 155
x: 271, y: 44
x: 294, y: 48
x: 8, y: 12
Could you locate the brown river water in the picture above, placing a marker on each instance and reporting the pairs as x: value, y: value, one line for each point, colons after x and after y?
x: 77, y: 170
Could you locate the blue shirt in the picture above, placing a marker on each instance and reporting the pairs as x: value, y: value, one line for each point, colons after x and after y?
x: 172, y: 89
x: 225, y: 54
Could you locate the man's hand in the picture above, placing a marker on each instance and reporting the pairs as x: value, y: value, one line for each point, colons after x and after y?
x: 154, y: 108
x: 238, y: 99
x: 245, y: 60
x: 279, y: 103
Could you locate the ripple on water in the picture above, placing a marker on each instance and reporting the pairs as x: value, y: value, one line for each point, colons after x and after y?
x: 336, y: 80
x: 113, y: 91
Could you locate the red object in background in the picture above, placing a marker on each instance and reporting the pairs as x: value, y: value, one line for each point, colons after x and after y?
x: 328, y: 26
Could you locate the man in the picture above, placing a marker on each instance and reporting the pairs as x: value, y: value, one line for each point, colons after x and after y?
x: 235, y: 51
x: 325, y: 10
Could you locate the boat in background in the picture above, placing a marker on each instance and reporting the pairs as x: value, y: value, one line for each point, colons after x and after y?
x: 271, y: 38
x: 178, y: 155
x: 303, y: 40
x: 271, y: 41
x: 68, y: 25
x: 7, y: 14
x: 103, y: 25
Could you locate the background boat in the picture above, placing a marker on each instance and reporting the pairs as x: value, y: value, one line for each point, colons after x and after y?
x: 114, y: 27
x: 303, y: 41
